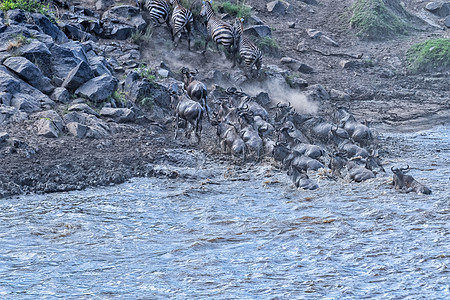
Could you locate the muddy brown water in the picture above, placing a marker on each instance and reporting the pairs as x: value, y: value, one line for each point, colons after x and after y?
x: 229, y: 233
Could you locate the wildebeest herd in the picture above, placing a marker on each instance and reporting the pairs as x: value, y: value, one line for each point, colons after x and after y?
x: 299, y: 143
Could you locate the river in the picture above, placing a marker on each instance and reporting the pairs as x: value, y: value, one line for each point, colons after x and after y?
x: 229, y: 233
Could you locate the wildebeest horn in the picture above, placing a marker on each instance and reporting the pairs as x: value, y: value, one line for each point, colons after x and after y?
x: 278, y: 105
x: 290, y: 105
x: 405, y: 169
x: 184, y: 70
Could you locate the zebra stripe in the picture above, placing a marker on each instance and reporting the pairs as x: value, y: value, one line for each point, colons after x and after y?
x: 181, y: 18
x: 249, y: 52
x: 220, y: 31
x: 158, y: 9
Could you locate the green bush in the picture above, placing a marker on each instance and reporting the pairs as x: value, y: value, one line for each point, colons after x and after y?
x: 267, y: 43
x: 373, y: 20
x: 237, y: 10
x: 27, y: 5
x: 429, y: 56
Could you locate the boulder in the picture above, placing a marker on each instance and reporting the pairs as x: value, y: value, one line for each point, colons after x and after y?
x: 52, y: 116
x: 60, y: 95
x: 339, y: 95
x: 29, y: 72
x: 3, y: 137
x: 79, y: 50
x: 277, y: 7
x: 5, y: 98
x: 99, y: 88
x: 447, y: 22
x: 119, y: 115
x: 96, y: 128
x: 121, y: 22
x: 49, y: 28
x: 77, y: 129
x: 83, y: 107
x: 103, y: 4
x: 9, y: 113
x: 317, y: 92
x: 296, y: 65
x: 439, y: 8
x: 259, y: 31
x: 16, y: 16
x: 25, y: 103
x: 8, y: 83
x: 99, y: 65
x: 46, y: 128
x: 78, y: 76
x: 263, y: 99
x: 296, y: 82
x: 76, y: 32
x: 39, y: 54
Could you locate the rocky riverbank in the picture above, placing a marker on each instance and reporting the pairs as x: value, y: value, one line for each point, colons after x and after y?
x: 81, y: 105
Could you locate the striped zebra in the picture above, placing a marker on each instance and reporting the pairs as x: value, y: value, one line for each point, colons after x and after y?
x: 220, y: 31
x: 158, y: 9
x: 249, y: 52
x: 181, y: 19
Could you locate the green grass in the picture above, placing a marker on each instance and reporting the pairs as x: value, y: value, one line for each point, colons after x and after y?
x: 18, y: 42
x: 27, y: 5
x: 146, y: 72
x: 268, y: 43
x: 430, y: 56
x: 237, y: 10
x: 373, y: 20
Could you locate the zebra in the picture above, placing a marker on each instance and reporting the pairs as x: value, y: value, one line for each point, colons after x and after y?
x: 220, y: 31
x: 249, y: 52
x: 181, y: 19
x: 158, y: 9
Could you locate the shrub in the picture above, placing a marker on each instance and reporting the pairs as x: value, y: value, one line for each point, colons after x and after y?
x: 237, y: 10
x: 373, y: 20
x: 268, y: 43
x: 27, y: 5
x: 19, y: 41
x: 146, y: 72
x: 429, y: 56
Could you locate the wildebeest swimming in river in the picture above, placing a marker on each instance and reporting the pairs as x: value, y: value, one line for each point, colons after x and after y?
x: 406, y: 183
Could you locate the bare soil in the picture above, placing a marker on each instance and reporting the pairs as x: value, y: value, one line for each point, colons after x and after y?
x: 383, y: 93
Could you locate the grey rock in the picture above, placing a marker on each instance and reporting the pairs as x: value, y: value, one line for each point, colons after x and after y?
x: 76, y: 32
x: 439, y: 8
x: 25, y: 103
x: 38, y: 53
x: 30, y: 73
x: 3, y: 137
x: 78, y: 49
x: 447, y: 22
x: 259, y: 31
x: 52, y: 116
x: 60, y: 95
x: 254, y: 20
x: 317, y: 92
x: 16, y: 16
x: 296, y: 82
x: 83, y: 107
x: 263, y: 99
x: 351, y: 64
x: 76, y: 129
x: 329, y: 41
x: 119, y: 115
x: 122, y: 21
x: 277, y: 7
x: 339, y: 95
x: 96, y: 128
x: 99, y: 88
x: 313, y: 33
x: 5, y: 98
x: 103, y: 4
x: 78, y: 76
x: 46, y: 128
x: 6, y: 113
x: 311, y: 2
x: 8, y: 83
x: 49, y: 28
x: 99, y: 65
x: 296, y: 65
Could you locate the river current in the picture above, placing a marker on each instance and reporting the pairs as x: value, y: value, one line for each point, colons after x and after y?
x: 229, y: 233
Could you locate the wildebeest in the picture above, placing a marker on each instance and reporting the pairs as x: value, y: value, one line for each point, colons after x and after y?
x: 188, y: 110
x: 301, y: 179
x: 253, y: 141
x: 292, y: 135
x: 359, y: 132
x: 195, y: 89
x: 229, y: 138
x: 337, y: 162
x: 309, y: 150
x: 406, y: 183
x: 287, y: 157
x: 357, y: 171
x: 352, y: 150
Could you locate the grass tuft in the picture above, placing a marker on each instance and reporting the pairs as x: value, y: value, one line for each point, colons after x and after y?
x: 430, y: 56
x: 373, y: 20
